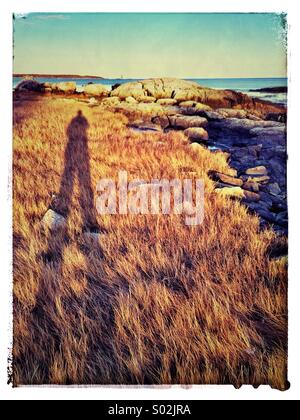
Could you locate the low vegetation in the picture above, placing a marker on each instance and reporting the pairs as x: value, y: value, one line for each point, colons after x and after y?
x: 156, y: 302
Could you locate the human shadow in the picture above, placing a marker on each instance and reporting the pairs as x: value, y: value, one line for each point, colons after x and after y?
x: 76, y: 165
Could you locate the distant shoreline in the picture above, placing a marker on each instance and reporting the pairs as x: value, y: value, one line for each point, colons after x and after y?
x: 57, y: 76
x: 276, y: 89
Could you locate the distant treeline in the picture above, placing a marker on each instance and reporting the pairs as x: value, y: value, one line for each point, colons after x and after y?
x: 56, y: 76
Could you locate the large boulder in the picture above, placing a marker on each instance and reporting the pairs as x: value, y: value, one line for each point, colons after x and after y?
x: 29, y: 86
x: 196, y: 134
x: 66, y: 87
x: 245, y: 125
x: 113, y: 101
x: 95, y: 90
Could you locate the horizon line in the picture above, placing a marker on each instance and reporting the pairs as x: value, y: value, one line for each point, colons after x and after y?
x: 17, y: 74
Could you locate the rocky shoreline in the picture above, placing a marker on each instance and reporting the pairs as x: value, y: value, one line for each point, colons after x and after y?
x: 251, y: 131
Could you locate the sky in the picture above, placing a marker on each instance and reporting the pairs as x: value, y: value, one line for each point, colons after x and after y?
x: 140, y: 45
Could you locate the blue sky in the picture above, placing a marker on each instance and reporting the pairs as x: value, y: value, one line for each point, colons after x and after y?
x: 150, y: 45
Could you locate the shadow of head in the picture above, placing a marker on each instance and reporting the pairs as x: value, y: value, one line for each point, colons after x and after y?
x: 77, y: 127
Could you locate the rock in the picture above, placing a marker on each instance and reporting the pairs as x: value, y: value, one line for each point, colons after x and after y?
x: 246, y: 152
x: 66, y: 87
x: 166, y: 101
x: 29, y: 86
x: 133, y: 89
x: 277, y: 116
x: 266, y: 198
x: 255, y: 150
x: 230, y: 171
x: 262, y: 211
x: 95, y: 90
x: 279, y: 130
x: 251, y: 196
x: 270, y: 152
x: 162, y: 120
x: 232, y: 113
x: 47, y: 89
x: 111, y: 101
x: 115, y: 86
x: 148, y: 99
x: 211, y: 115
x: 274, y: 188
x: 142, y: 126
x: 226, y: 179
x: 53, y: 220
x: 267, y: 215
x: 258, y: 170
x: 196, y: 133
x: 96, y: 238
x: 202, y: 107
x: 185, y: 121
x: 188, y: 104
x: 131, y: 100
x: 282, y: 218
x: 251, y: 186
x: 231, y: 192
x: 93, y: 101
x: 260, y: 179
x: 252, y: 127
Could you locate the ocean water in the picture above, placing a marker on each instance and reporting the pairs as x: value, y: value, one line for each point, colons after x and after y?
x: 238, y: 84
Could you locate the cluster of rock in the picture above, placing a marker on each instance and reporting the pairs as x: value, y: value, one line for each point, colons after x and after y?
x: 251, y: 131
x: 255, y: 143
x: 53, y: 222
x: 256, y: 150
x: 170, y: 91
x: 69, y: 87
x: 162, y: 91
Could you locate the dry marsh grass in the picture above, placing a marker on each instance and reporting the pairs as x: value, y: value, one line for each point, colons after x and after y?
x: 157, y: 302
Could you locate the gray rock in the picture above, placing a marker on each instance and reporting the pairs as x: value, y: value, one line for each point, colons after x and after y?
x: 282, y: 218
x: 211, y: 115
x: 274, y: 188
x: 96, y: 238
x: 162, y: 120
x: 245, y: 125
x: 53, y: 220
x: 29, y: 85
x: 269, y: 131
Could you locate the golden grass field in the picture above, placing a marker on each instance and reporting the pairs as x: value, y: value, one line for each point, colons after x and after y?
x: 157, y: 302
